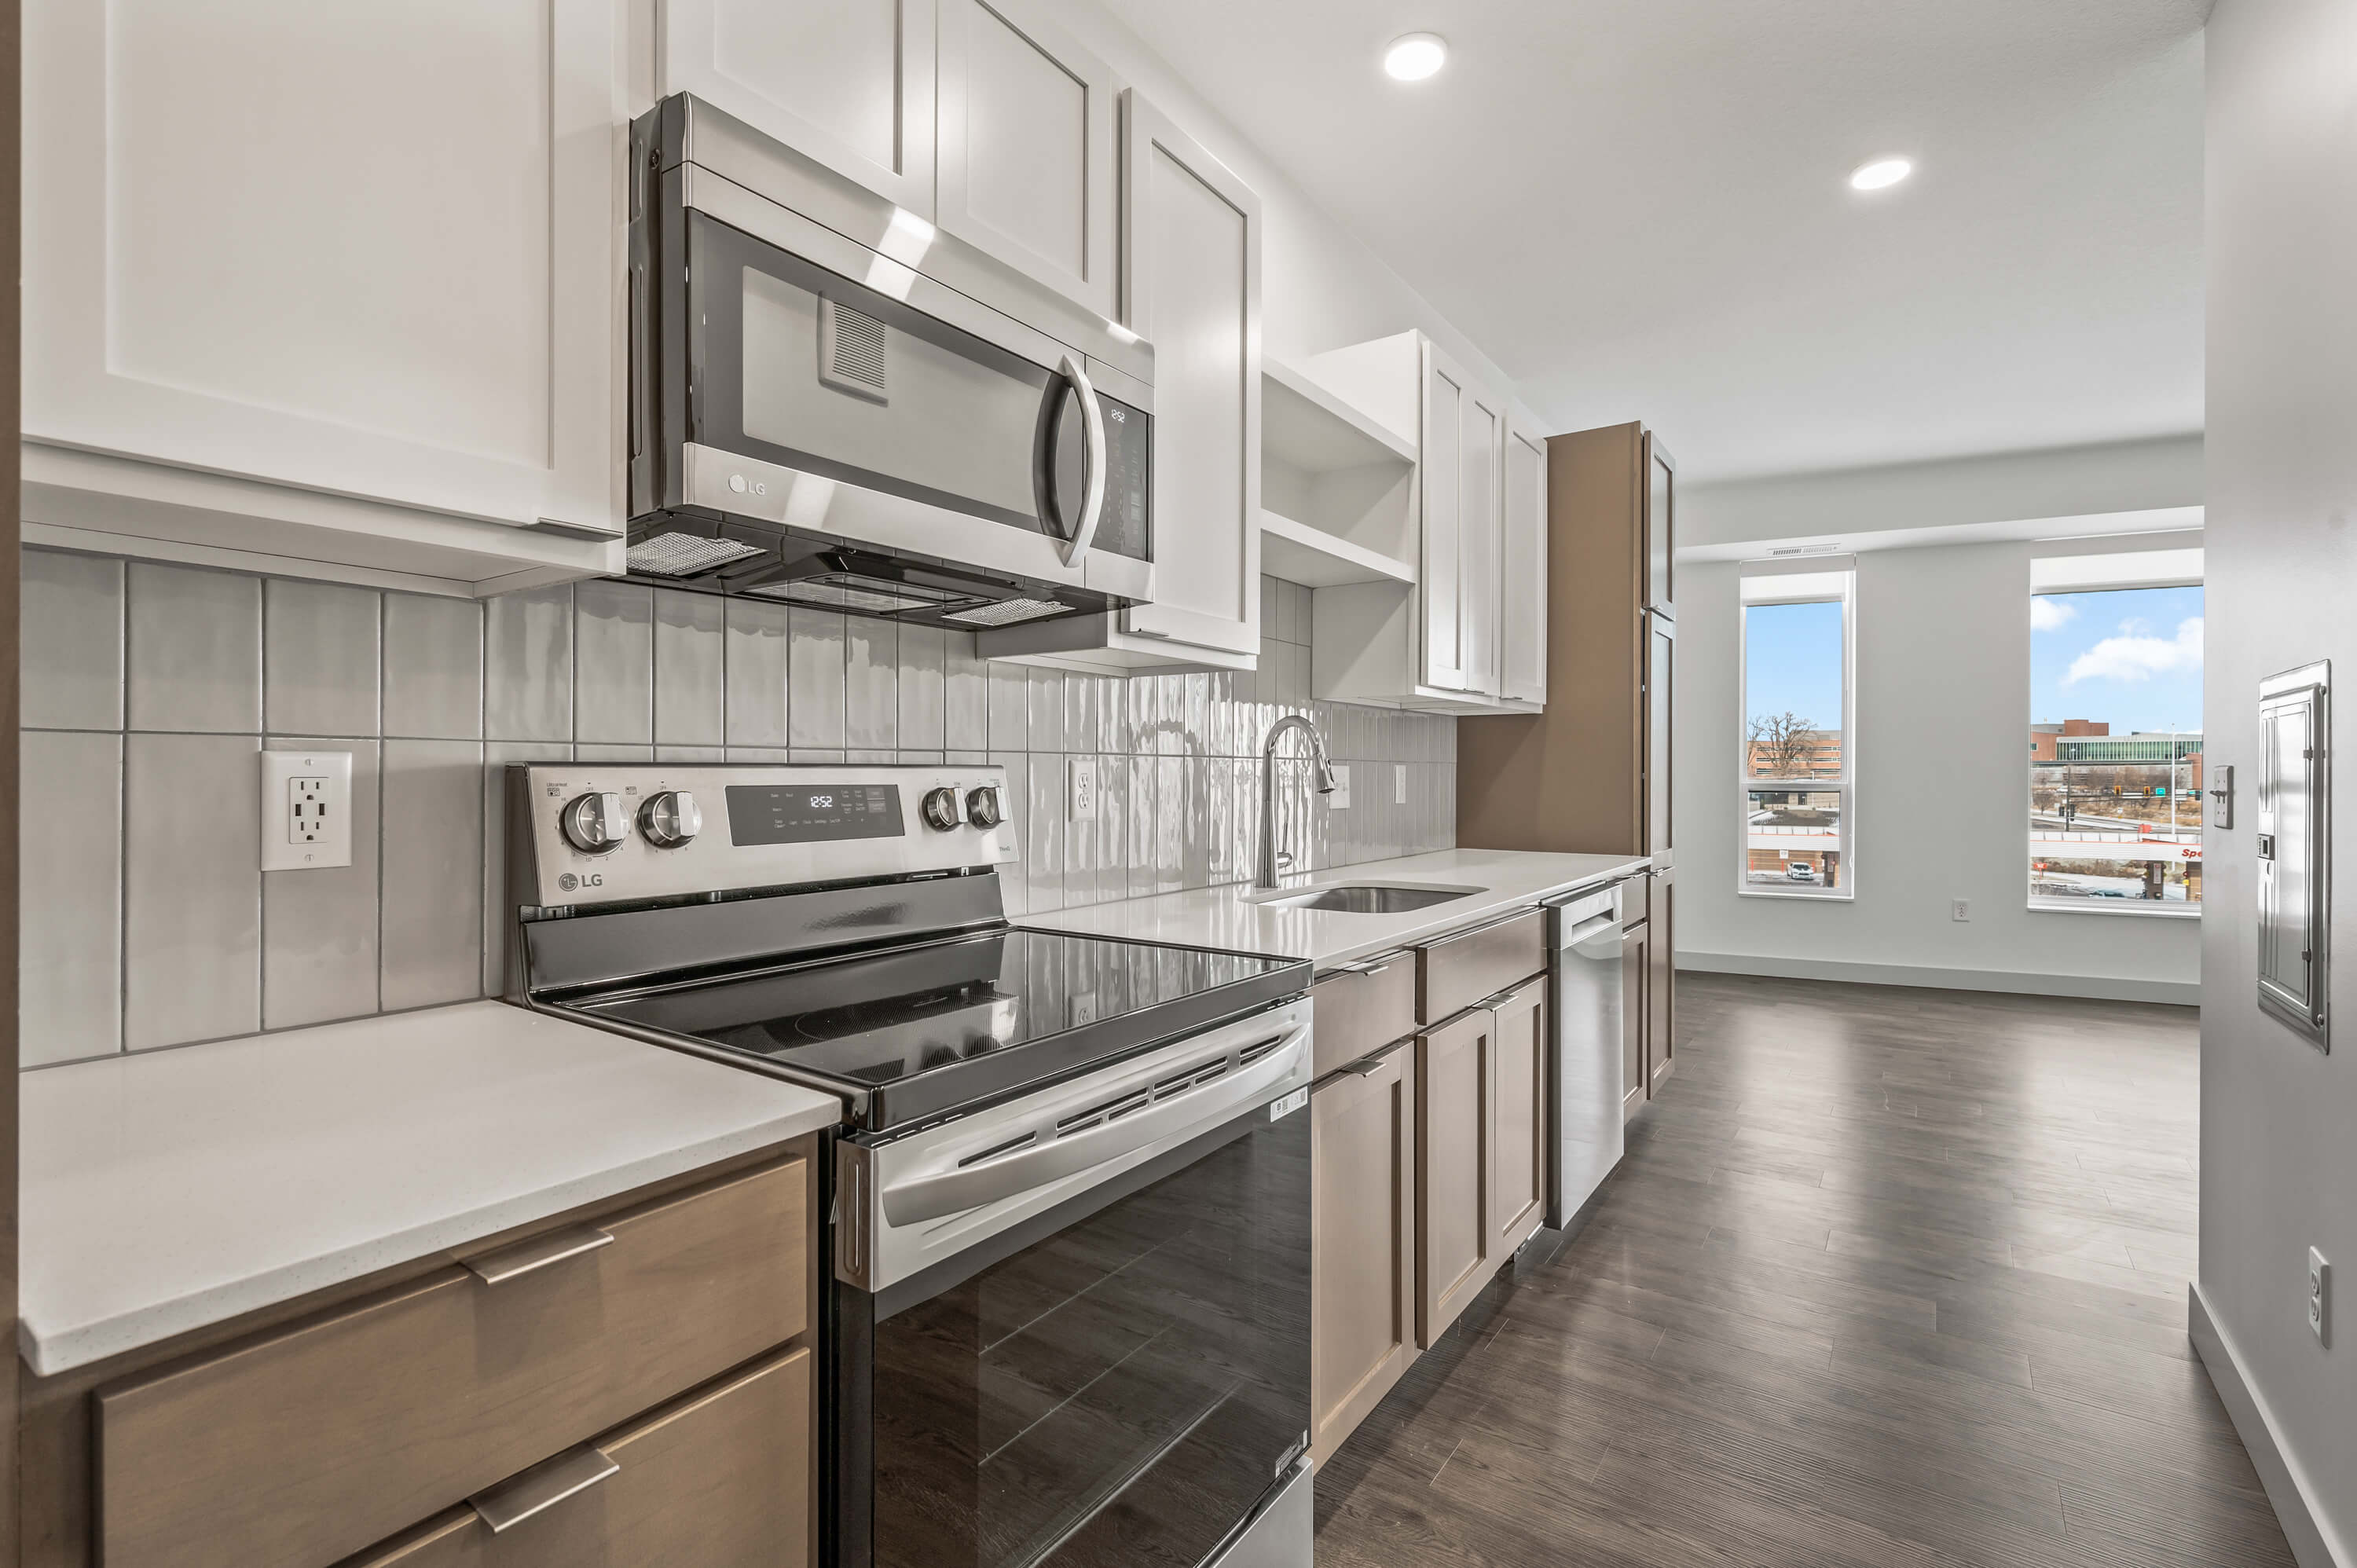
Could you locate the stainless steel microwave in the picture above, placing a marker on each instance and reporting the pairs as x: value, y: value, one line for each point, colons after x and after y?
x: 834, y: 404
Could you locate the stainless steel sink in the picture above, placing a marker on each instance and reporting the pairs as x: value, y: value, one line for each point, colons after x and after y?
x: 1366, y: 897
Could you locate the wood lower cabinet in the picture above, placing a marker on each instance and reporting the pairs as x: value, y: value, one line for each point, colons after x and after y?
x: 1362, y: 1248
x: 1456, y: 1100
x: 720, y: 1480
x: 670, y: 1328
x: 1636, y: 971
x: 1661, y: 987
x: 1519, y: 1143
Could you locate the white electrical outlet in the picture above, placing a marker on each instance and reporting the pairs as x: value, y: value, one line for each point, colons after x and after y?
x: 306, y: 809
x: 1082, y: 793
x: 2319, y: 1296
x: 1338, y: 799
x: 1399, y: 783
x: 1960, y: 910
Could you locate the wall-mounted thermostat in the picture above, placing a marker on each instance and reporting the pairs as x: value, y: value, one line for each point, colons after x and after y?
x: 2293, y: 847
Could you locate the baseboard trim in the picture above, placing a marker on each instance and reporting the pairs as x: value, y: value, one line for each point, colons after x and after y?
x: 2313, y: 1544
x: 2100, y: 988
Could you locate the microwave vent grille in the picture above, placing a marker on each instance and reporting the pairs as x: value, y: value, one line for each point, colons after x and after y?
x: 851, y: 345
x: 684, y: 554
x: 857, y: 595
x: 1007, y: 612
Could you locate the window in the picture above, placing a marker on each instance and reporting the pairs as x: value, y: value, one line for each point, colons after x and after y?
x: 2115, y: 739
x: 1796, y: 792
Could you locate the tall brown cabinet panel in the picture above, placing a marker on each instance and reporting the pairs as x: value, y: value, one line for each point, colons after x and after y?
x: 1594, y: 772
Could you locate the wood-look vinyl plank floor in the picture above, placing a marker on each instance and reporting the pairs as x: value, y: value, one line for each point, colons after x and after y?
x: 1887, y: 1278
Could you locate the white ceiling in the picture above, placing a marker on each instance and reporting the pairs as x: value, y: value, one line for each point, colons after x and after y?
x: 1639, y: 208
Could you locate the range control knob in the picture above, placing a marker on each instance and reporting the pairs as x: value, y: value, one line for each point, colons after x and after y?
x: 669, y: 818
x: 984, y: 807
x: 596, y: 823
x: 940, y: 810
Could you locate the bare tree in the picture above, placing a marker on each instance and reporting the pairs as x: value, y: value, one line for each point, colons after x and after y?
x: 1781, y: 745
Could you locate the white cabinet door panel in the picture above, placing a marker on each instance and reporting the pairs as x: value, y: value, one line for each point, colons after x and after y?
x: 372, y: 251
x: 1522, y: 577
x: 848, y: 82
x: 1192, y: 250
x: 1027, y: 145
x: 1484, y: 439
x: 1441, y: 585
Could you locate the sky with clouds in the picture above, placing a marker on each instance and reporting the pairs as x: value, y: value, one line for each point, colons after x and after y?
x: 2130, y: 656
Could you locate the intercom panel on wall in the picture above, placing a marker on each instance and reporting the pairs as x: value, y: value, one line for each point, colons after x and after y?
x: 2294, y: 827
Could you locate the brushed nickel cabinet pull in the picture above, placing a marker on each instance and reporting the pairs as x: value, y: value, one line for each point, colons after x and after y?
x: 541, y: 1487
x: 507, y: 1263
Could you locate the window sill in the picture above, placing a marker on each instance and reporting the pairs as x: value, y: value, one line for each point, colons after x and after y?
x: 1839, y: 895
x: 2113, y: 908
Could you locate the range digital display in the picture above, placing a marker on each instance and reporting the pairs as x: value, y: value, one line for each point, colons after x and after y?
x: 812, y: 813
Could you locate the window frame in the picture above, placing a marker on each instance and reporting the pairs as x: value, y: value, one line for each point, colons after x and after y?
x: 1845, y: 784
x: 2121, y: 577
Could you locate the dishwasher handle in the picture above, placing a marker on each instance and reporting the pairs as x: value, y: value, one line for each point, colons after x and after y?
x: 1598, y: 937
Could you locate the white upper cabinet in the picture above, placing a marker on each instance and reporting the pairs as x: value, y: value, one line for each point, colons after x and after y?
x: 1192, y: 287
x: 1193, y: 291
x: 1446, y: 396
x: 1465, y: 631
x: 848, y: 82
x: 1483, y: 437
x: 1463, y: 429
x: 1523, y: 572
x: 369, y: 252
x: 1026, y: 147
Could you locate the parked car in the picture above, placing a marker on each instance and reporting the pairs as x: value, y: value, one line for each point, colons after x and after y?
x: 1796, y: 872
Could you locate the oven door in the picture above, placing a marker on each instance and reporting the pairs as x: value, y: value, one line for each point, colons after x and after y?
x: 816, y: 393
x: 1118, y: 1377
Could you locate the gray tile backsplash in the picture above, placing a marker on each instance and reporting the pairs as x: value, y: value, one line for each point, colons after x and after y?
x: 148, y: 689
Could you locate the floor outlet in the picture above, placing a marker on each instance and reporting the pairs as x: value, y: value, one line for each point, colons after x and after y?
x: 2320, y: 1297
x: 306, y: 809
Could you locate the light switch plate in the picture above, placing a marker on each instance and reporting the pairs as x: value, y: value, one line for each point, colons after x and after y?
x: 306, y: 809
x: 1081, y: 796
x: 1338, y: 799
x: 2319, y: 1296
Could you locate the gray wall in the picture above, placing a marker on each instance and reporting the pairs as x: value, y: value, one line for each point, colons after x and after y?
x: 2279, y: 1119
x: 149, y: 688
x: 1943, y: 662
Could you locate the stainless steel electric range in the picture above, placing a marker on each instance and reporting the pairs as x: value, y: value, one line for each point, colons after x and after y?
x: 1069, y: 1205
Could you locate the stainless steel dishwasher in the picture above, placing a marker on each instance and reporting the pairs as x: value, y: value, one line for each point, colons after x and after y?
x: 1584, y: 1060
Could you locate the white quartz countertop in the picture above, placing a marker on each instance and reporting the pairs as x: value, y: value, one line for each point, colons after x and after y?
x: 1222, y: 918
x: 167, y: 1191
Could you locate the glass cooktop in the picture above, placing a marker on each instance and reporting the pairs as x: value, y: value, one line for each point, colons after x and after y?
x: 927, y: 1030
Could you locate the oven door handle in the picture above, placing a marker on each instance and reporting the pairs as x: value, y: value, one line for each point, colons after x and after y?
x: 1049, y: 1159
x: 1093, y: 486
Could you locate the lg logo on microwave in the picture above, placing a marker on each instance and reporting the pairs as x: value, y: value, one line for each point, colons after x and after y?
x: 569, y: 883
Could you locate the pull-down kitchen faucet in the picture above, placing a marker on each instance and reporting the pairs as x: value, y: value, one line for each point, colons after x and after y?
x: 1264, y: 872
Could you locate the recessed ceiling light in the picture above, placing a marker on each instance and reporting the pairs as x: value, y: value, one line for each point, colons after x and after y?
x: 1416, y: 56
x: 1882, y: 174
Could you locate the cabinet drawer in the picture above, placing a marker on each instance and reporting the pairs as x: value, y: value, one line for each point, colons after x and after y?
x: 1454, y: 972
x: 299, y: 1448
x: 721, y: 1479
x: 1362, y: 1008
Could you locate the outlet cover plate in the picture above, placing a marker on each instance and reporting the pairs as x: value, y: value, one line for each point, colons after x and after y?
x: 1340, y: 800
x: 306, y: 809
x: 2319, y: 1296
x: 1081, y: 793
x: 1399, y: 783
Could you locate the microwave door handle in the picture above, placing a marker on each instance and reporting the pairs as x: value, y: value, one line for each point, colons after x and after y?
x: 1092, y: 488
